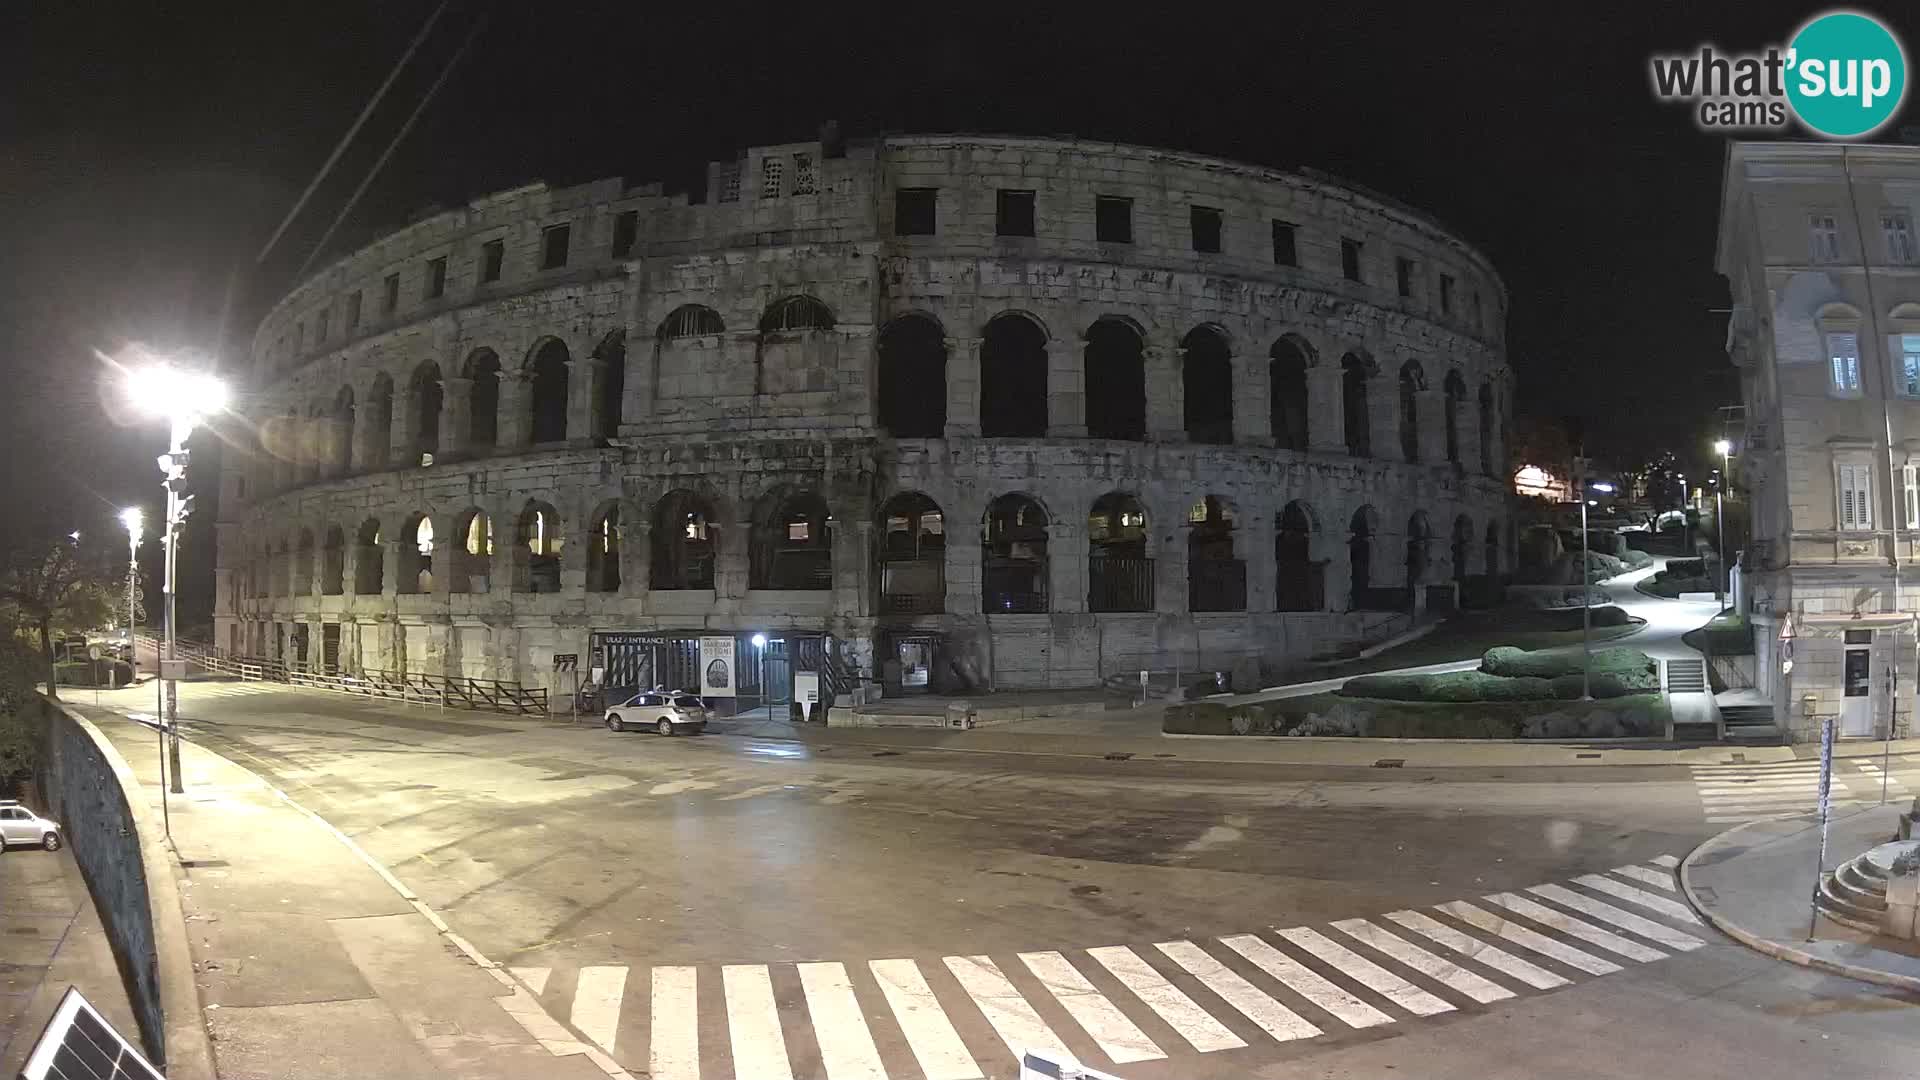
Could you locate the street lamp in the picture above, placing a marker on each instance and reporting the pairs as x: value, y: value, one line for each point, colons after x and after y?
x: 136, y: 524
x: 1723, y: 448
x: 184, y: 399
x: 1586, y: 595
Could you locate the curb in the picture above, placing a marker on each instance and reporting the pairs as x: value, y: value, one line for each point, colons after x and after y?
x: 1779, y: 950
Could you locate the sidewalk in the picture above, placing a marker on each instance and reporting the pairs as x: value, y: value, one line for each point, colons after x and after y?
x: 50, y: 939
x: 1755, y: 883
x: 312, y: 962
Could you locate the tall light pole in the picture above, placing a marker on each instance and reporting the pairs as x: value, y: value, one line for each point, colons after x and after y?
x: 136, y: 525
x: 1586, y: 596
x: 183, y: 398
x: 1723, y: 448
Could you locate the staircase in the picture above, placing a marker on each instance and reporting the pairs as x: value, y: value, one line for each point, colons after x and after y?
x: 1856, y: 894
x: 1693, y: 716
x: 1686, y: 676
x: 1750, y: 725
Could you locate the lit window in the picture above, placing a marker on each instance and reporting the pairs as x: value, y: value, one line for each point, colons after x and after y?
x: 1843, y: 353
x: 798, y: 530
x: 1823, y: 238
x: 423, y: 537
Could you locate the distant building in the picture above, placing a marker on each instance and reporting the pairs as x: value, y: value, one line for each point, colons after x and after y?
x: 1817, y: 242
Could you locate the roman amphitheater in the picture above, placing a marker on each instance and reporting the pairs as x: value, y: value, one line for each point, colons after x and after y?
x: 924, y: 413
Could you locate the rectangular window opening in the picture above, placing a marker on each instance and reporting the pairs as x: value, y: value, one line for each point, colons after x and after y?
x: 1403, y: 276
x: 626, y: 229
x: 1013, y: 213
x: 1113, y: 219
x: 554, y: 242
x: 1205, y: 221
x: 1907, y: 347
x: 772, y: 175
x: 353, y: 311
x: 914, y: 211
x: 1856, y: 496
x: 1843, y: 357
x: 1898, y: 226
x: 1446, y: 294
x: 436, y: 277
x: 493, y: 258
x: 1350, y: 258
x: 1283, y: 251
x: 1823, y: 238
x: 390, y: 295
x: 803, y: 180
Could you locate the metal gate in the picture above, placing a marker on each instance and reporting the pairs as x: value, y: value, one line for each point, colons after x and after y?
x: 330, y: 648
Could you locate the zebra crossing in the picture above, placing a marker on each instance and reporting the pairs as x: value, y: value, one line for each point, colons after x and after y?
x: 1737, y: 792
x: 969, y: 1017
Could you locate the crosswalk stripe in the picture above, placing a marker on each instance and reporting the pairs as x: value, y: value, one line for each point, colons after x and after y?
x: 1508, y: 930
x: 1668, y: 861
x: 674, y: 1049
x: 753, y: 1022
x: 1797, y: 795
x: 1641, y: 897
x: 596, y: 1003
x: 930, y: 1035
x: 1757, y: 786
x: 1451, y: 974
x: 1019, y: 1026
x: 1585, y: 931
x: 1474, y: 949
x: 1274, y: 1018
x: 1366, y: 972
x: 1651, y: 877
x: 1190, y: 1021
x: 1625, y: 920
x: 1118, y: 1037
x: 1306, y: 982
x: 846, y: 1046
x: 534, y: 977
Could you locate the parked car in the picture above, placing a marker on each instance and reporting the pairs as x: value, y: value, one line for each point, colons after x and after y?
x: 21, y: 826
x: 668, y: 712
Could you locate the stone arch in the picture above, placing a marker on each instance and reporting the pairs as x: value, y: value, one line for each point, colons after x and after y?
x: 686, y: 538
x: 377, y: 419
x: 1362, y: 530
x: 1299, y: 580
x: 790, y: 543
x: 605, y: 534
x: 1456, y: 388
x: 1216, y: 577
x: 1014, y: 566
x: 1206, y: 377
x: 303, y: 554
x: 912, y: 559
x: 1412, y: 381
x: 547, y: 377
x: 313, y: 441
x: 690, y: 320
x: 333, y: 562
x: 482, y: 370
x: 340, y: 433
x: 416, y: 554
x: 425, y: 396
x: 796, y: 314
x: 1119, y: 559
x: 470, y: 550
x: 1013, y: 376
x: 1287, y: 395
x: 1419, y: 536
x: 1115, y: 364
x: 369, y: 559
x: 537, y: 540
x: 1355, y: 370
x: 608, y: 396
x: 911, y: 362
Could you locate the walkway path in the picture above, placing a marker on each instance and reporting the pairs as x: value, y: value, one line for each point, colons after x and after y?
x: 50, y: 939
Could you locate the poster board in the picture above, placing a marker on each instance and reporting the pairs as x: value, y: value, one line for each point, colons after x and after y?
x: 806, y: 692
x: 717, y: 667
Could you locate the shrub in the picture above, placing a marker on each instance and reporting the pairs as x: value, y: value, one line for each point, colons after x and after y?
x: 1685, y: 568
x: 1452, y: 686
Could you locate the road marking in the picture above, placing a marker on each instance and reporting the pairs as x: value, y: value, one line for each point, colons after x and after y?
x: 936, y: 1046
x: 674, y: 1048
x: 1119, y: 1039
x: 753, y: 1022
x: 1642, y: 897
x: 1274, y: 1018
x: 1509, y: 930
x: 753, y: 792
x: 1466, y: 982
x: 846, y: 1046
x: 1651, y: 877
x: 534, y: 977
x: 1019, y: 1026
x: 1366, y: 972
x: 1306, y: 982
x: 596, y: 1003
x: 1625, y: 920
x: 1585, y: 931
x: 1474, y: 949
x: 1190, y: 1021
x: 1668, y: 861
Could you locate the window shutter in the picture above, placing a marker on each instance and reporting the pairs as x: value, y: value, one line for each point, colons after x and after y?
x: 1911, y: 476
x: 1846, y: 497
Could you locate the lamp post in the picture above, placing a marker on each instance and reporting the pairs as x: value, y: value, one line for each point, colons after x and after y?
x: 1586, y: 596
x: 136, y: 525
x: 1723, y: 448
x: 183, y: 398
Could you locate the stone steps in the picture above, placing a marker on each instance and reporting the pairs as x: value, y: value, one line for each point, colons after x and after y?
x: 1855, y: 893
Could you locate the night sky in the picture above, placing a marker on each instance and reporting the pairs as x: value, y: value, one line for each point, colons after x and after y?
x: 149, y: 152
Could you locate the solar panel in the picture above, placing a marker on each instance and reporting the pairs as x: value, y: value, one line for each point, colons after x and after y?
x: 79, y: 1044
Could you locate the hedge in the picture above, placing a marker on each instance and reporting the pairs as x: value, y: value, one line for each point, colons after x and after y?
x: 1637, y: 716
x: 1620, y: 660
x: 81, y: 672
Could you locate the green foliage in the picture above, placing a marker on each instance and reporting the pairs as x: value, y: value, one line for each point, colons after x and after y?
x: 1619, y: 659
x: 1639, y: 715
x: 1457, y: 686
x: 19, y: 741
x: 109, y: 673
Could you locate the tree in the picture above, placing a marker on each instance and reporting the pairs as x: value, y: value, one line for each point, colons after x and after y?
x: 55, y: 584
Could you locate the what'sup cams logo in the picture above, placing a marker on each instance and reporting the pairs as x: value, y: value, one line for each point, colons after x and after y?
x: 1842, y: 76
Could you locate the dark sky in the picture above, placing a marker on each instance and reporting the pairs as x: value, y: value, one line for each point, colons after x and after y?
x: 146, y: 151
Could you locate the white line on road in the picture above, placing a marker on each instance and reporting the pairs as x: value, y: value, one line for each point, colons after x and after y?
x: 1474, y: 949
x: 1190, y: 1021
x: 1572, y: 927
x: 1642, y: 897
x: 674, y: 1045
x: 1668, y: 861
x: 1274, y: 1018
x: 1508, y: 930
x: 1119, y: 1039
x: 1306, y: 982
x: 846, y: 1046
x: 936, y: 1046
x: 1466, y: 982
x: 1625, y: 920
x: 534, y: 977
x: 753, y: 1022
x: 1657, y: 878
x: 1366, y: 972
x: 1019, y: 1026
x: 596, y: 1003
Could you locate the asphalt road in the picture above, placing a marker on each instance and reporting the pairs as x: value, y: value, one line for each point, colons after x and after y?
x: 671, y: 897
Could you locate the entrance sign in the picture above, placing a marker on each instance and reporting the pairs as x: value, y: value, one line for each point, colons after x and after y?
x: 806, y: 691
x: 716, y: 667
x: 566, y: 661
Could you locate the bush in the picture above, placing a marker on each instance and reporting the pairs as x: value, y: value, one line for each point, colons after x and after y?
x: 1685, y: 568
x: 1330, y: 714
x: 1508, y: 661
x: 82, y: 672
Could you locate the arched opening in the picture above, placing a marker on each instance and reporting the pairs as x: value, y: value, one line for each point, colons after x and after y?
x: 792, y: 544
x: 1299, y: 582
x: 913, y: 556
x: 1462, y: 547
x: 1492, y: 552
x: 1456, y: 397
x: 369, y: 560
x: 1411, y: 383
x: 536, y: 550
x: 425, y: 394
x: 1206, y: 377
x: 472, y: 553
x: 303, y: 564
x: 1418, y: 537
x: 685, y: 537
x: 1013, y: 571
x: 1486, y: 429
x: 612, y: 354
x: 1216, y: 580
x: 1013, y: 378
x: 690, y: 320
x: 379, y: 423
x: 1119, y: 571
x: 1116, y: 378
x: 280, y: 570
x: 912, y: 378
x: 1354, y: 372
x: 416, y: 556
x: 796, y: 314
x: 1287, y: 393
x: 340, y: 433
x: 603, y: 550
x: 547, y: 399
x: 333, y: 562
x: 1360, y: 534
x: 313, y: 443
x: 483, y: 401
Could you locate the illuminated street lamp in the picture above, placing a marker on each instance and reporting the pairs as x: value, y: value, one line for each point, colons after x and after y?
x: 1586, y: 594
x: 136, y: 524
x: 1723, y: 448
x: 184, y: 399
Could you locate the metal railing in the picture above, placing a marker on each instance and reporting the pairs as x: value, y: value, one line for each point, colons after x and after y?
x: 1217, y: 585
x: 1119, y: 583
x: 447, y: 691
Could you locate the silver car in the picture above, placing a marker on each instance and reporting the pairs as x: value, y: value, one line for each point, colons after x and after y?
x: 668, y: 712
x: 19, y: 825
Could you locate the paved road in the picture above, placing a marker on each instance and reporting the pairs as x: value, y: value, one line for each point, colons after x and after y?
x: 732, y: 906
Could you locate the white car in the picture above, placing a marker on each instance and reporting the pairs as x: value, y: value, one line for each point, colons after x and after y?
x: 19, y: 825
x: 668, y: 712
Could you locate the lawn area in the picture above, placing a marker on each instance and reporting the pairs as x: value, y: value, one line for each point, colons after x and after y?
x: 1469, y: 635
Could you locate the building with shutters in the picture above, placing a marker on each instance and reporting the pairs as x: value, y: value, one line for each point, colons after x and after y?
x: 1817, y: 243
x: 937, y: 412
